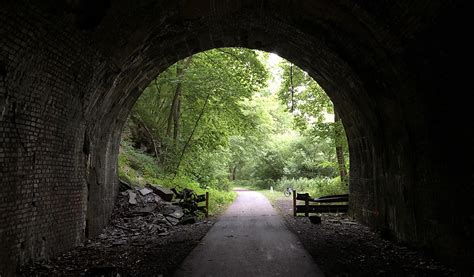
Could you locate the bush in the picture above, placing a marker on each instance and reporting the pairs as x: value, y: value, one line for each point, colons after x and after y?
x: 315, y: 187
x: 218, y: 198
x: 134, y: 166
x: 137, y: 168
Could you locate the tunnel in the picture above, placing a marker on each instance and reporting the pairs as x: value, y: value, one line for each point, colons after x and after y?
x: 397, y: 71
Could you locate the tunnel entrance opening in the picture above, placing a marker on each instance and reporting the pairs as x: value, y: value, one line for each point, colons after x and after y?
x: 235, y: 116
x: 226, y: 86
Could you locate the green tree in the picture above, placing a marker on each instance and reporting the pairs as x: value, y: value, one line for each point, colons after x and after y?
x: 310, y: 105
x: 195, y: 106
x: 211, y: 119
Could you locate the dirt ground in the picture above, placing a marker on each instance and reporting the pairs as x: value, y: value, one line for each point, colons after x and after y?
x: 150, y: 257
x: 143, y: 239
x: 343, y: 247
x: 146, y: 242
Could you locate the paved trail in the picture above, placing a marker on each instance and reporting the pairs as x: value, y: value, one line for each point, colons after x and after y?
x: 249, y: 239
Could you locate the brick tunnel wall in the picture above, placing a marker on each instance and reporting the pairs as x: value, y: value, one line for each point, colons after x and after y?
x: 42, y: 196
x: 52, y: 180
x: 66, y: 90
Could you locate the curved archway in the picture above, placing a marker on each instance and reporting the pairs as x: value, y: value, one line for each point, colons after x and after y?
x: 346, y: 76
x: 67, y: 88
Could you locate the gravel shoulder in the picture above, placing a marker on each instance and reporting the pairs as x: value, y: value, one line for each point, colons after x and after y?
x: 342, y: 247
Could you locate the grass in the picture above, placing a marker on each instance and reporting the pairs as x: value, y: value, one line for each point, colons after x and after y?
x: 315, y: 187
x: 138, y: 168
x: 219, y: 200
x: 271, y: 196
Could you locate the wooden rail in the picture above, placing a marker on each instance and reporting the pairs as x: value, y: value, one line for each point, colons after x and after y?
x: 202, y: 198
x: 313, y: 205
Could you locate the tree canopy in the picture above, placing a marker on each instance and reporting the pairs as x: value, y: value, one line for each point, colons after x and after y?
x: 212, y: 118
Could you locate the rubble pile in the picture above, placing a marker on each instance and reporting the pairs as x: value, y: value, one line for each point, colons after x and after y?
x: 141, y: 212
x: 145, y: 234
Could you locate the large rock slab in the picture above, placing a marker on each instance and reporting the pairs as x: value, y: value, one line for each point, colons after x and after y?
x: 165, y: 193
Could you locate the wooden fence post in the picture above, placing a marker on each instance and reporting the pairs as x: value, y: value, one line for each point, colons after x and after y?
x: 294, y: 202
x: 306, y: 206
x: 207, y: 204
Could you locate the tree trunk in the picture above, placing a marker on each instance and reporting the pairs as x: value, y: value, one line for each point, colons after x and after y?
x: 339, y: 149
x: 150, y: 135
x: 175, y: 110
x: 176, y: 113
x: 234, y: 173
x: 192, y: 134
x: 230, y: 172
x: 292, y: 89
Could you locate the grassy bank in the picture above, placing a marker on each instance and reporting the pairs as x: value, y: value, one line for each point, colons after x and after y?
x: 316, y: 187
x: 138, y: 168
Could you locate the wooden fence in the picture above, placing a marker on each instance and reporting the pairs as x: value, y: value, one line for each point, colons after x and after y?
x: 324, y: 204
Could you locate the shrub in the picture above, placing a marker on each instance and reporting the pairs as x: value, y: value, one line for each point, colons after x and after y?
x: 315, y: 187
x: 134, y: 166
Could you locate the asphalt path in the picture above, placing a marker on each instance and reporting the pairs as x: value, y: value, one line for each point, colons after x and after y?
x: 249, y: 239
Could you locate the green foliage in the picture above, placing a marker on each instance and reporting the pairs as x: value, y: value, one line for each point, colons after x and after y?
x: 290, y: 155
x: 213, y: 87
x: 316, y: 187
x: 139, y: 169
x: 136, y: 167
x: 308, y: 103
x: 184, y: 119
x: 209, y: 121
x: 219, y: 198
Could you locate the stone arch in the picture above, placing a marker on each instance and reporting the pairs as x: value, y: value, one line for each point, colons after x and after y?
x: 220, y: 26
